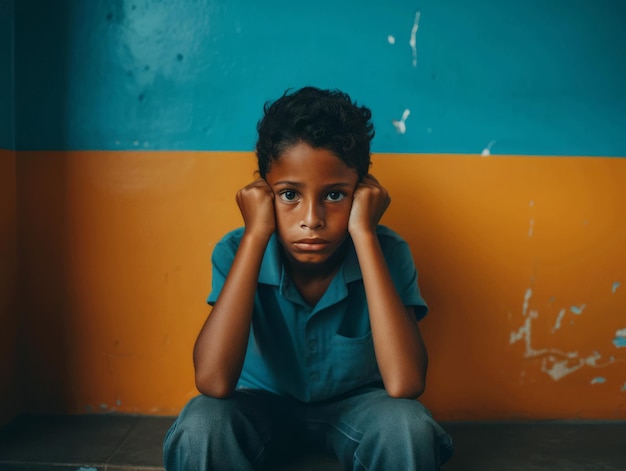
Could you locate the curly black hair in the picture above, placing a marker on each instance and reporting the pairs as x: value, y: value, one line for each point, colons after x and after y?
x: 323, y: 119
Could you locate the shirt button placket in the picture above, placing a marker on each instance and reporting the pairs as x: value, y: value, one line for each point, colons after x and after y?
x: 314, y: 375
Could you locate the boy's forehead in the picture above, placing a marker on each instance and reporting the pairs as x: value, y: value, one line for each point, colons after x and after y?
x: 303, y: 163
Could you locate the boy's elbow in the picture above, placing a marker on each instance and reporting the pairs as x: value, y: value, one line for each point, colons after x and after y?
x: 213, y: 387
x: 406, y: 390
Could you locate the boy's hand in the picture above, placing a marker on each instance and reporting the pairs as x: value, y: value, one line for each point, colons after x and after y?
x: 256, y: 203
x: 370, y: 202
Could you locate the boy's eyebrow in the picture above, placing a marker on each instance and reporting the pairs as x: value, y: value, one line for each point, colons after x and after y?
x: 301, y: 184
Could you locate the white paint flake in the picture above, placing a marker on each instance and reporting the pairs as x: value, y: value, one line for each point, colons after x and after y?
x: 527, y: 296
x: 598, y: 380
x: 486, y: 152
x: 413, y: 40
x: 559, y: 318
x: 401, y: 125
x: 391, y: 39
x: 559, y: 368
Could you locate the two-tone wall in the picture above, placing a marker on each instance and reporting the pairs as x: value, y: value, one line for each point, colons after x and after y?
x: 500, y: 135
x: 9, y: 364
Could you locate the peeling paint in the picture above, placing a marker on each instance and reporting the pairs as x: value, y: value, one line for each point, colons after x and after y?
x: 401, y: 125
x: 413, y: 40
x: 598, y: 380
x: 578, y: 310
x: 556, y: 363
x: 620, y: 338
x: 559, y: 368
x: 391, y: 39
x: 527, y: 296
x: 559, y: 318
x: 486, y: 152
x: 615, y: 286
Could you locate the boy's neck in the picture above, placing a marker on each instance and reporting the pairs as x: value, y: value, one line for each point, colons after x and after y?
x: 312, y: 280
x: 315, y: 271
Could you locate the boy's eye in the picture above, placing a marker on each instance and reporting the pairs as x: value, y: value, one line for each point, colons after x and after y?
x: 336, y: 196
x: 288, y: 195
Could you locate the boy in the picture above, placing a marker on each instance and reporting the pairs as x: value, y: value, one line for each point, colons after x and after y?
x: 313, y: 330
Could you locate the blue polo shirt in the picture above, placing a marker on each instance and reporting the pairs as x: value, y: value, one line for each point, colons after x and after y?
x: 312, y: 353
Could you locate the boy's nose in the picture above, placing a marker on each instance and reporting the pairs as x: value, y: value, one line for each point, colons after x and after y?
x: 313, y: 217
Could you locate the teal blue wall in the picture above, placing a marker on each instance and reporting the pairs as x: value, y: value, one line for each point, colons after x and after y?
x: 6, y: 75
x: 537, y: 77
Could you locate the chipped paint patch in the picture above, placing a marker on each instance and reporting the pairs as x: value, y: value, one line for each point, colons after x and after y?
x: 624, y: 387
x: 391, y: 39
x: 559, y: 318
x: 615, y: 286
x: 557, y: 369
x: 620, y: 338
x: 557, y: 363
x: 486, y: 152
x: 401, y: 125
x: 527, y: 296
x: 598, y: 380
x: 578, y: 310
x: 413, y: 40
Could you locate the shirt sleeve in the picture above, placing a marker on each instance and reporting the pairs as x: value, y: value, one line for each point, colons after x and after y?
x: 404, y: 274
x: 221, y: 260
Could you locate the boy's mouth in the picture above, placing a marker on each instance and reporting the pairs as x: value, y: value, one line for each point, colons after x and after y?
x: 311, y: 245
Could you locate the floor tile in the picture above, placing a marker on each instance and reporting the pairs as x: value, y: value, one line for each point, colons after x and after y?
x: 538, y: 446
x: 80, y: 439
x: 143, y: 445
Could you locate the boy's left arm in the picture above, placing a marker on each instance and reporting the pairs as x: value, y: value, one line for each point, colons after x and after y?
x: 400, y: 350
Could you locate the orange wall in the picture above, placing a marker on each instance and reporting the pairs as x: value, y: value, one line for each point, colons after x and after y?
x: 520, y: 259
x: 9, y: 391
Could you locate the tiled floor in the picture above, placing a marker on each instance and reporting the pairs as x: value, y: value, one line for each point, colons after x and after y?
x: 133, y: 443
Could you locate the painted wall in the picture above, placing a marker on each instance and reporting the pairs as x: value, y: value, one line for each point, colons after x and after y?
x: 9, y: 363
x: 9, y: 391
x: 135, y: 122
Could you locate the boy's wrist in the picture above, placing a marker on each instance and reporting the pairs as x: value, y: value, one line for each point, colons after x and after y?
x: 363, y: 234
x: 256, y: 236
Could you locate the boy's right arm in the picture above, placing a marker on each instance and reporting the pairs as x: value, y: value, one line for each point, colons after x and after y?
x: 220, y: 348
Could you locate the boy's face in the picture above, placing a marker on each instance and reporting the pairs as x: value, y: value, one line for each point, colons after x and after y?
x: 314, y: 191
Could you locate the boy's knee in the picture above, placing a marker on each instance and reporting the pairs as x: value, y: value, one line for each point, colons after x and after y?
x: 203, y: 414
x: 403, y: 418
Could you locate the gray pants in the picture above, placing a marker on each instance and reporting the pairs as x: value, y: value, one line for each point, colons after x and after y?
x: 367, y: 430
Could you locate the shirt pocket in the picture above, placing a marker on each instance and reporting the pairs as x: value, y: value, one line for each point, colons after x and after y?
x: 354, y: 359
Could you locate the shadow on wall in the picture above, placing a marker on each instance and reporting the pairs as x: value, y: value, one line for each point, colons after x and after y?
x: 45, y: 334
